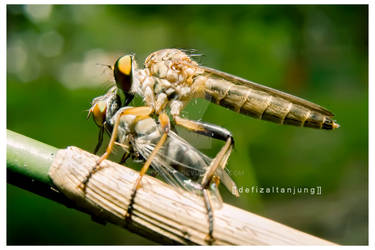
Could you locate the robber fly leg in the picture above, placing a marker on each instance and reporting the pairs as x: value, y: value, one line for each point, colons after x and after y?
x: 210, y: 214
x: 165, y: 125
x: 100, y: 140
x: 213, y: 131
x: 139, y: 111
x: 204, y: 128
x: 220, y: 160
x: 97, y: 166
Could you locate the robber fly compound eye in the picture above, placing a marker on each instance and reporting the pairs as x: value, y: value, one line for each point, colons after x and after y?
x: 122, y: 71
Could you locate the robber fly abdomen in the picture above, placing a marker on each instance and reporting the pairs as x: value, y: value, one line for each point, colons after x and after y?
x: 259, y: 104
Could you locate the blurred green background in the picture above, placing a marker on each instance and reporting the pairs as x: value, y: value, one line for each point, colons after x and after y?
x: 54, y: 57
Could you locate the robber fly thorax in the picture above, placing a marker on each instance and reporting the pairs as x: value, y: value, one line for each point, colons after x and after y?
x: 177, y: 162
x: 171, y: 79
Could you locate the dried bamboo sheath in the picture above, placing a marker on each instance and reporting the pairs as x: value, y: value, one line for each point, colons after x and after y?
x: 160, y: 212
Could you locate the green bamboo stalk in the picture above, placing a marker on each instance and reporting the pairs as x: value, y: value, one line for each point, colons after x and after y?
x: 29, y: 157
x: 28, y: 164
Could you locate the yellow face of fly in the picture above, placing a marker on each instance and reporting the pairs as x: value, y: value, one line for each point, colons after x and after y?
x: 125, y: 65
x: 98, y: 111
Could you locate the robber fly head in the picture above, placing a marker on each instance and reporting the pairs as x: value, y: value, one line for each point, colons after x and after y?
x: 123, y: 73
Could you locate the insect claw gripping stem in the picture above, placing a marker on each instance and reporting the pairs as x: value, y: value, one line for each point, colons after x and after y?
x: 95, y: 169
x: 129, y: 211
x: 209, y: 239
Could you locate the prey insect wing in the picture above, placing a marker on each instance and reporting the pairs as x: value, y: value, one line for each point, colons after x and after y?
x: 221, y: 172
x: 176, y: 171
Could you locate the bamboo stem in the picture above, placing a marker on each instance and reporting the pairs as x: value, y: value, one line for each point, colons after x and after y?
x: 161, y: 212
x: 29, y: 157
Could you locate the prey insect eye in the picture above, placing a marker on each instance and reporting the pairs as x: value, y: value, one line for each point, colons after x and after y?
x: 98, y: 111
x: 122, y: 71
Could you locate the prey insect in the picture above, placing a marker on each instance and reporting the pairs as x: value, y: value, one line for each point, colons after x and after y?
x: 173, y: 158
x: 170, y: 78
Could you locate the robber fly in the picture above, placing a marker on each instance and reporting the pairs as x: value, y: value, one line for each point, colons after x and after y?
x: 170, y: 78
x: 175, y: 160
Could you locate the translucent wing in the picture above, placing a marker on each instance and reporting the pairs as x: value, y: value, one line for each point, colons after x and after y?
x: 167, y: 160
x: 201, y: 165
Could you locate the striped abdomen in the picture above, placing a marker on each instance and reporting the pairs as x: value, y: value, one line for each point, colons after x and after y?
x: 264, y: 105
